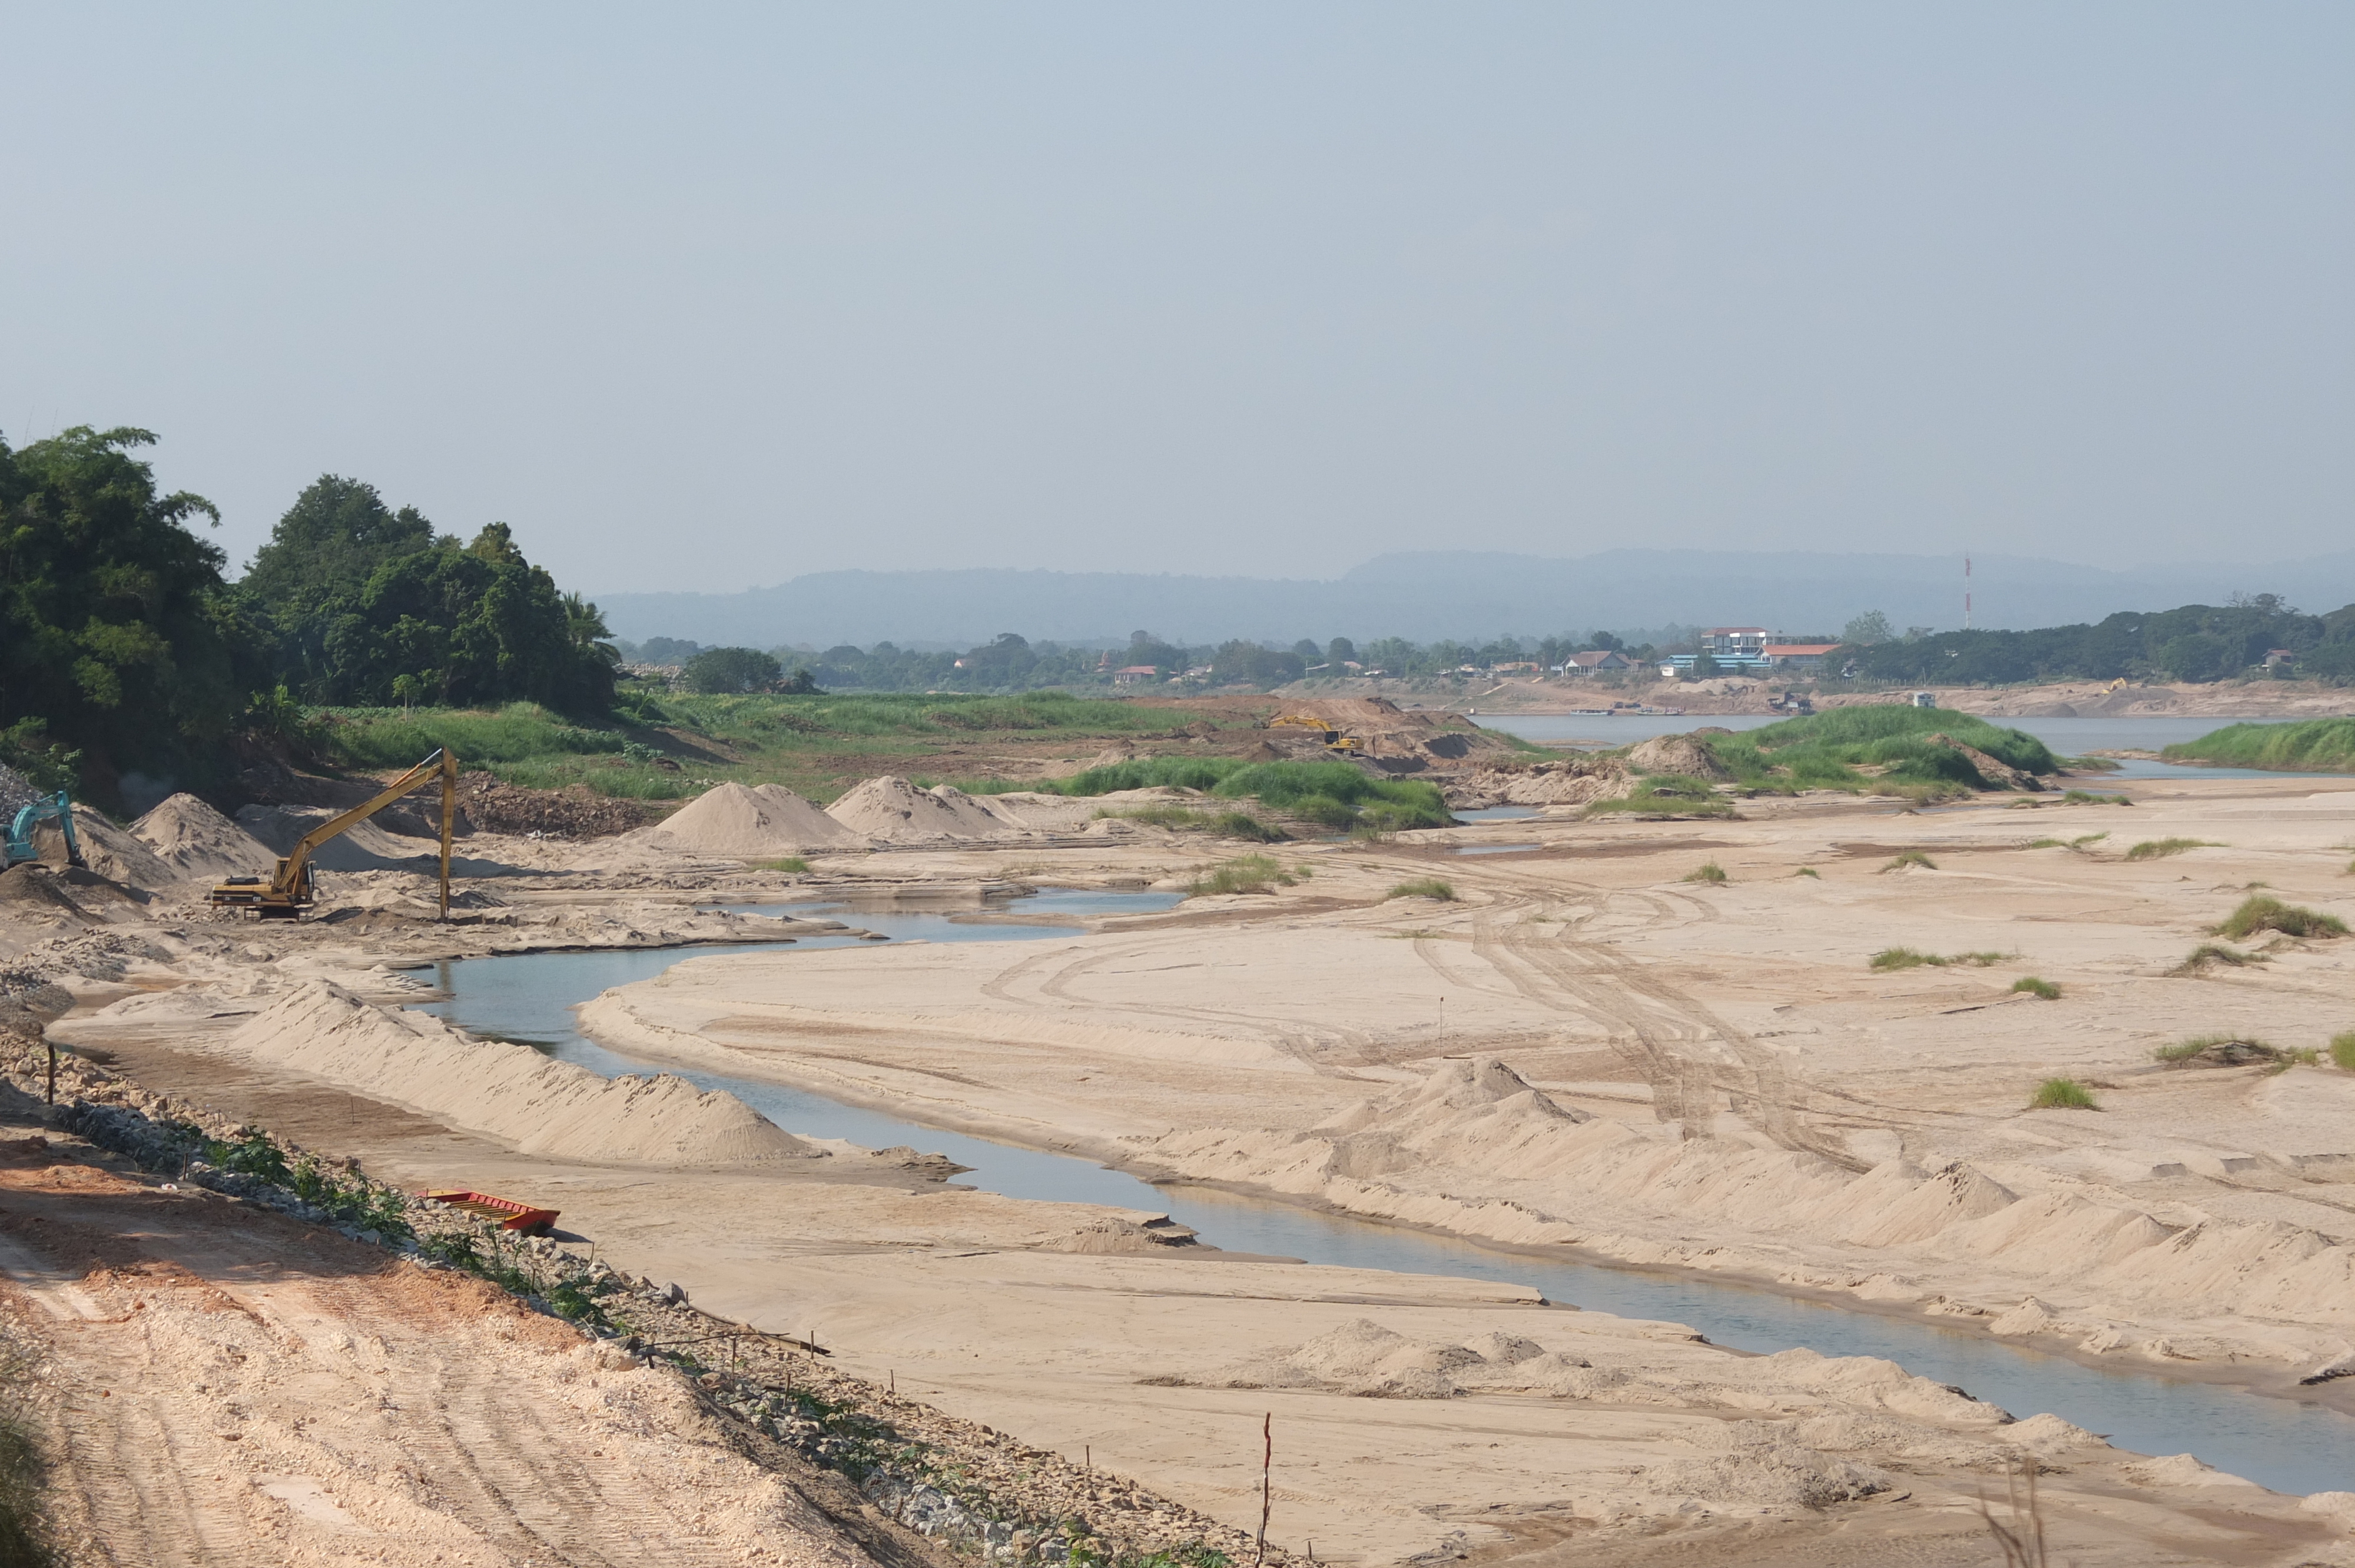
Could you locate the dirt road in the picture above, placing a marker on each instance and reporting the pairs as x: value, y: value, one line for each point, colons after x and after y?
x: 231, y: 1386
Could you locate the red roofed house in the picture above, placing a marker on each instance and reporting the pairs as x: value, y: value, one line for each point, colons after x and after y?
x: 1797, y: 655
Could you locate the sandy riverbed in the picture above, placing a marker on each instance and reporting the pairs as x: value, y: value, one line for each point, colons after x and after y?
x: 1582, y: 1048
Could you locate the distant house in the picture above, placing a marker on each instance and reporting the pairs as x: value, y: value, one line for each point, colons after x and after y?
x: 1724, y: 642
x: 1130, y: 674
x: 2277, y: 657
x: 1598, y: 663
x: 1798, y: 655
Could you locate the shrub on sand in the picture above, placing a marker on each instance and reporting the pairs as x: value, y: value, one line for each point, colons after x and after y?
x: 1244, y: 874
x: 1808, y: 870
x: 2208, y: 953
x: 2062, y: 1094
x: 2259, y: 912
x: 1709, y: 872
x: 1425, y: 887
x: 2342, y: 1049
x: 2156, y: 849
x: 2037, y: 988
x: 1911, y: 858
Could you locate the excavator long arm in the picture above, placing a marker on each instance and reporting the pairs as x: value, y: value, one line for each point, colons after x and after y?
x: 288, y: 888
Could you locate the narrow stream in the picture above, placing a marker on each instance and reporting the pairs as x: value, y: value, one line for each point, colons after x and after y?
x: 2289, y: 1446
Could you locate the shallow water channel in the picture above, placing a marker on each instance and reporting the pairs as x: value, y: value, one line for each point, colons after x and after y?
x: 2286, y: 1445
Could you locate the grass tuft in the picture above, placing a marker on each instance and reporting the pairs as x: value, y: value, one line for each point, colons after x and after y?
x: 1912, y: 958
x: 2259, y: 912
x: 2062, y: 1094
x: 1911, y: 858
x: 2342, y: 1049
x: 2038, y: 988
x: 2156, y: 849
x: 1708, y: 871
x: 1808, y: 870
x: 1244, y: 874
x: 2091, y: 798
x: 2208, y: 953
x: 1425, y: 887
x: 792, y: 864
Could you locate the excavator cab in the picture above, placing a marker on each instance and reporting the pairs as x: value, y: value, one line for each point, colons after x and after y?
x: 287, y: 892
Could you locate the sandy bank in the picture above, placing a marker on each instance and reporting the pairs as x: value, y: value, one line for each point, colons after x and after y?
x: 1711, y: 1076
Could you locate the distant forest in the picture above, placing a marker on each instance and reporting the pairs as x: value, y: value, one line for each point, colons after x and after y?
x: 2194, y: 643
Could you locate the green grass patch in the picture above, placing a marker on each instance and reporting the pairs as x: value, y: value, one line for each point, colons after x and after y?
x: 2030, y: 985
x: 2307, y: 746
x: 1914, y: 958
x: 792, y: 864
x: 1667, y: 795
x: 1808, y: 870
x: 1913, y: 858
x: 2208, y: 954
x: 1882, y: 749
x: 1707, y: 871
x: 1244, y: 874
x: 2091, y: 798
x: 2061, y: 1094
x: 2259, y: 912
x: 2158, y: 849
x: 1190, y: 819
x: 1425, y: 887
x: 2342, y: 1049
x: 1338, y: 795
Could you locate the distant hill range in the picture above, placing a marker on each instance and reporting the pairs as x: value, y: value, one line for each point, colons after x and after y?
x: 1464, y: 594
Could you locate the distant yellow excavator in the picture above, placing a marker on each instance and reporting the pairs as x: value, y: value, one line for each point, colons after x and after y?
x: 1334, y: 739
x: 286, y: 894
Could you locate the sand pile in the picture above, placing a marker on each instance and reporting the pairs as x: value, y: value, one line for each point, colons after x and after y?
x: 896, y: 811
x: 509, y: 1092
x: 748, y: 823
x: 364, y: 846
x: 1571, y: 781
x: 199, y: 845
x: 114, y: 853
x: 1676, y: 754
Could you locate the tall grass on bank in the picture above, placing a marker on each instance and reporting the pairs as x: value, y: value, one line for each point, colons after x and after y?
x: 2062, y: 1094
x: 2260, y: 913
x: 2307, y: 746
x: 1666, y: 795
x: 1337, y: 795
x: 2158, y: 849
x: 1883, y: 748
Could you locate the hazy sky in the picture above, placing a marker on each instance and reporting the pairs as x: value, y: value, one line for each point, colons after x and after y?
x: 703, y: 298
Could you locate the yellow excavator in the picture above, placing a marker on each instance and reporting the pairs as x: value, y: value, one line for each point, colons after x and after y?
x: 1334, y: 739
x: 286, y: 894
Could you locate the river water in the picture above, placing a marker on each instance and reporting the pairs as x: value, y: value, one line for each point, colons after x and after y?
x: 2066, y: 736
x: 2289, y: 1446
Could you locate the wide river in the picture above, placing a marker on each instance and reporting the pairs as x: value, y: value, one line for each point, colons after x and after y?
x: 2289, y: 1446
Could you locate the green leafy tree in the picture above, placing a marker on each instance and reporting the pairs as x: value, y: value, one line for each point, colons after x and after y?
x: 721, y: 670
x: 1867, y: 630
x: 113, y: 633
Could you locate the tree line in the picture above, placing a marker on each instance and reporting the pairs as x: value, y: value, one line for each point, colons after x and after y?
x: 124, y: 645
x: 2194, y: 643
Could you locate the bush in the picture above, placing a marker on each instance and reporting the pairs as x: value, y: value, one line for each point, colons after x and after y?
x: 724, y: 670
x: 1244, y: 874
x: 2260, y: 913
x: 1912, y: 858
x: 2156, y: 849
x: 1808, y: 870
x: 1425, y: 887
x: 2208, y: 953
x: 1710, y: 871
x: 2089, y: 797
x: 2342, y: 1049
x: 2038, y: 988
x: 2309, y: 745
x: 2062, y: 1094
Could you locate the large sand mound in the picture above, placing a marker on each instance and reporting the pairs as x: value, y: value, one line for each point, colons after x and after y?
x: 510, y: 1092
x: 113, y: 853
x: 199, y: 845
x: 733, y: 821
x: 897, y: 812
x: 364, y: 846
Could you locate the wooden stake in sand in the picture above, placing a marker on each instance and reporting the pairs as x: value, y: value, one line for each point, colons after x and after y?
x: 1266, y: 1470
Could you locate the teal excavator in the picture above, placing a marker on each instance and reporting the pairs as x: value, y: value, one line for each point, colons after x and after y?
x: 58, y: 808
